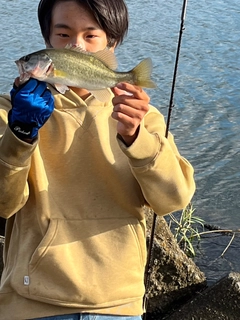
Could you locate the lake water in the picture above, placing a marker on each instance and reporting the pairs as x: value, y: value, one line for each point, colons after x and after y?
x: 206, y: 117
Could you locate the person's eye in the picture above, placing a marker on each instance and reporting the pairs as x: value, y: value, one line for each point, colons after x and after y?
x: 91, y: 36
x: 63, y: 35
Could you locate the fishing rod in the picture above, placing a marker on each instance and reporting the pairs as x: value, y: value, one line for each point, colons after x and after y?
x: 170, y: 107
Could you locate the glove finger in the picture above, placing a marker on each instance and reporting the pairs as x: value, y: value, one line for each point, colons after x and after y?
x: 46, y: 92
x: 29, y: 85
x: 40, y: 88
x: 49, y: 99
x: 15, y: 87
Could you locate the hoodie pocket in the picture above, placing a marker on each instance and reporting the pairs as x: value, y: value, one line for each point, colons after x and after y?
x: 44, y: 245
x: 86, y: 263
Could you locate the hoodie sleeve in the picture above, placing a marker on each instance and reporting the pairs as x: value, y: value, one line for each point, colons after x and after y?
x: 15, y: 158
x: 165, y: 177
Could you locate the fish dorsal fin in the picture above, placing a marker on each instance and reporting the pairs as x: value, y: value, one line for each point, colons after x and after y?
x: 77, y: 48
x: 106, y: 56
x: 74, y: 47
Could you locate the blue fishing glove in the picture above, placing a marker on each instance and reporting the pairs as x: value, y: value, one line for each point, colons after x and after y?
x: 32, y: 105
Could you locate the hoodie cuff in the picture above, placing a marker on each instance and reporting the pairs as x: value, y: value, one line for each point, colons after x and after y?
x: 15, y: 152
x: 144, y: 149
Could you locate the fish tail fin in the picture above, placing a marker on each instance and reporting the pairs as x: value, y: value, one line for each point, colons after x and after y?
x: 142, y: 74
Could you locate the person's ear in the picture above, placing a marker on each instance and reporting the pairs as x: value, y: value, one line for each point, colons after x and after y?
x: 112, y: 48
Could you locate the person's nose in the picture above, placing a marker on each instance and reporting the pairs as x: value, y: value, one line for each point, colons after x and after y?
x: 78, y: 42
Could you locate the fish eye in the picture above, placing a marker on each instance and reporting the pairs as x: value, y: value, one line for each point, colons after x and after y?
x: 26, y: 58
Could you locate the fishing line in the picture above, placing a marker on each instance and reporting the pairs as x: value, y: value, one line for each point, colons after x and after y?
x: 170, y: 107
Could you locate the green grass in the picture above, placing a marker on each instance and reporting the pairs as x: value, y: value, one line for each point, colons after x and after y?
x: 185, y: 229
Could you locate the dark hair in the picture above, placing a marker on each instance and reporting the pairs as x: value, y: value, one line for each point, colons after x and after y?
x: 111, y: 15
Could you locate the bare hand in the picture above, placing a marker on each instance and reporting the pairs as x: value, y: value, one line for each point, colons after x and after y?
x: 17, y: 82
x: 131, y: 103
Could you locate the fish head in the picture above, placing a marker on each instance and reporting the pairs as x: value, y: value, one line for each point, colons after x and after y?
x: 36, y: 65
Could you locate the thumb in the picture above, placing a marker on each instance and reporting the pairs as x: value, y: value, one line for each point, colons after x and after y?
x: 16, y: 82
x: 118, y: 92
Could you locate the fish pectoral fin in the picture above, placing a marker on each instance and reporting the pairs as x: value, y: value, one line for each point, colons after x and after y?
x: 103, y: 95
x: 62, y: 88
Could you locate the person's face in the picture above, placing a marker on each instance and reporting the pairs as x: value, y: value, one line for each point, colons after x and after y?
x: 72, y: 24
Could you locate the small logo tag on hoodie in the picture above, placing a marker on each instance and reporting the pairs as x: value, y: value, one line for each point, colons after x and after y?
x: 26, y: 280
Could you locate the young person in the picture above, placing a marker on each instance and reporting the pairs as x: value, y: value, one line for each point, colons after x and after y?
x: 75, y: 175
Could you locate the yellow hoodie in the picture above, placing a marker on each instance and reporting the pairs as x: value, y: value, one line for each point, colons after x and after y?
x: 74, y: 200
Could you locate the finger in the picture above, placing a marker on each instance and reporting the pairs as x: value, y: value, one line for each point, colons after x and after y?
x: 42, y: 89
x: 126, y: 97
x: 126, y: 121
x: 136, y: 91
x: 121, y: 109
x: 23, y: 88
x: 16, y: 83
x: 126, y: 125
x: 130, y: 105
x: 118, y: 92
x: 29, y: 85
x: 49, y: 98
x: 133, y: 115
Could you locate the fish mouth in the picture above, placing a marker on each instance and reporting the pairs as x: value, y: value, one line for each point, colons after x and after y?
x: 49, y: 68
x: 38, y: 72
x: 20, y: 67
x: 23, y: 75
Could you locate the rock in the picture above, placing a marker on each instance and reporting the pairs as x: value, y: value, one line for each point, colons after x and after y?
x: 174, y: 277
x: 219, y: 302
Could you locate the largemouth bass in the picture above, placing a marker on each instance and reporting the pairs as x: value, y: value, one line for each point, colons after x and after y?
x: 74, y: 67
